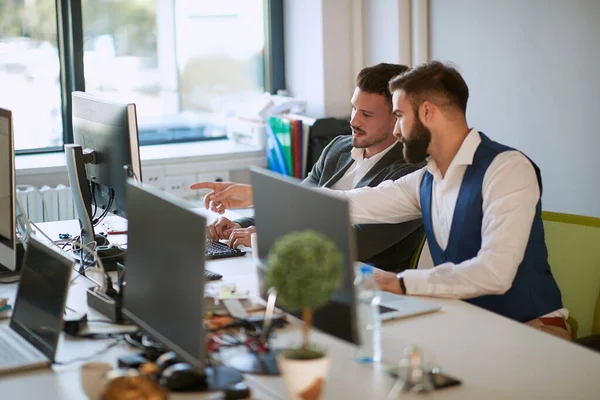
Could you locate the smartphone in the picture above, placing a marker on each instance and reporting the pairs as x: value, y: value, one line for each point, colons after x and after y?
x: 438, y: 379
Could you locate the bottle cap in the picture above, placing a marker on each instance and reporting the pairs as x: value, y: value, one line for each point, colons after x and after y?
x: 366, y: 269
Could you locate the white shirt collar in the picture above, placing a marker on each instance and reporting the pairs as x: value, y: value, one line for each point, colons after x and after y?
x: 357, y: 154
x: 464, y: 156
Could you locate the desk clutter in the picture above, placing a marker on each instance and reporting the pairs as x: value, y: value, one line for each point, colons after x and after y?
x: 145, y: 376
x: 156, y: 289
x: 153, y: 372
x: 5, y: 308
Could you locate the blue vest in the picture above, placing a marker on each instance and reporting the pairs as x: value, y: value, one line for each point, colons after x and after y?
x: 534, y: 292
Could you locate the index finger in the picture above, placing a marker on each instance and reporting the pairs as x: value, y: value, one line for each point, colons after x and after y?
x: 203, y: 185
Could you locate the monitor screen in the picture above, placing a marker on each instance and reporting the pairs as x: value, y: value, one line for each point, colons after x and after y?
x: 41, y: 297
x: 110, y: 131
x: 165, y: 271
x: 283, y: 205
x: 7, y: 193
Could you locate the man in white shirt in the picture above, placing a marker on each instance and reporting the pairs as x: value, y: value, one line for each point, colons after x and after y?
x: 366, y: 158
x: 480, y: 202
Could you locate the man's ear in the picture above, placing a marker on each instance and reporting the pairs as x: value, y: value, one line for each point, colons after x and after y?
x: 426, y: 111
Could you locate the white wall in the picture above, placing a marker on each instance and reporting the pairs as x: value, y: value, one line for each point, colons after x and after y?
x: 303, y: 43
x: 531, y: 66
x: 318, y: 54
x: 382, y: 41
x: 533, y: 72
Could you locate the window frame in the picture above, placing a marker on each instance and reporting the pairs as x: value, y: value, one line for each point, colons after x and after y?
x: 69, y: 25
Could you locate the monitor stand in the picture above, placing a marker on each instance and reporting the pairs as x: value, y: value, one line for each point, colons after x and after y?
x: 76, y: 158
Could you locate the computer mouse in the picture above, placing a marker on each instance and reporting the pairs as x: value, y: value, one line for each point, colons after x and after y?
x: 182, y: 376
x: 165, y: 360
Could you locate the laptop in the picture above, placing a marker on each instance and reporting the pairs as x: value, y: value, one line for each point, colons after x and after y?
x: 393, y: 306
x: 31, y: 339
x: 328, y: 214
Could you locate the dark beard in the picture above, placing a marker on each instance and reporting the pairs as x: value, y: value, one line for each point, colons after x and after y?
x: 415, y: 148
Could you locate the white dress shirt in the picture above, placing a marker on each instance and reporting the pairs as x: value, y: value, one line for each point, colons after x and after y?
x: 510, y: 194
x: 359, y: 168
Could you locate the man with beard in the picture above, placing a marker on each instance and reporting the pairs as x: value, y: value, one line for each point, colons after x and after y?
x: 371, y: 155
x: 480, y: 202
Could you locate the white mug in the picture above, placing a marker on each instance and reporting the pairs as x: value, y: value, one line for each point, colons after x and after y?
x: 93, y: 376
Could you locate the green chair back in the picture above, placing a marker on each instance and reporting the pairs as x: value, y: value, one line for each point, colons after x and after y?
x: 414, y: 261
x: 573, y: 243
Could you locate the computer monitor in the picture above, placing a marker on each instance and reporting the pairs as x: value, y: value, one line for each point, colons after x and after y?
x: 11, y: 250
x: 165, y: 271
x: 105, y: 152
x: 164, y: 292
x: 282, y: 205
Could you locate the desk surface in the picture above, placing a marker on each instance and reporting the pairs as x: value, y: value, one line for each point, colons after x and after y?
x: 496, y: 358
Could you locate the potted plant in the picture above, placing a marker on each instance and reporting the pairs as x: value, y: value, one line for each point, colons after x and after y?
x: 305, y: 269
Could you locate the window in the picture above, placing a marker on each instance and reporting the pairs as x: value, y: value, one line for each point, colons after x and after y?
x: 29, y: 72
x: 186, y: 64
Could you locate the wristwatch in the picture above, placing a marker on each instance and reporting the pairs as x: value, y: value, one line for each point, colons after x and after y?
x: 401, y: 281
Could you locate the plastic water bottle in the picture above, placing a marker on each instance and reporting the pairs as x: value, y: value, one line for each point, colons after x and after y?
x: 369, y: 323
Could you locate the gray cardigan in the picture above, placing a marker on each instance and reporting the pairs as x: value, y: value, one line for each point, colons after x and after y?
x: 387, y: 246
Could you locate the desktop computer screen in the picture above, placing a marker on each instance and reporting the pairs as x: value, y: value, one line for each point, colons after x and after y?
x: 8, y: 240
x: 165, y: 271
x: 282, y: 205
x: 104, y: 154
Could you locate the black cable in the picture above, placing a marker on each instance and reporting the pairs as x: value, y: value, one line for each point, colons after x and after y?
x: 107, y: 210
x: 93, y: 184
x: 93, y: 355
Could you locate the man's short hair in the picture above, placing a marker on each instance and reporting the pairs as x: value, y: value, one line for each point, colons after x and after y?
x: 434, y: 81
x: 376, y: 78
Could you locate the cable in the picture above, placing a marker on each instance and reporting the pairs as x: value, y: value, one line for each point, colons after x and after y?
x: 107, y: 210
x: 93, y: 185
x: 93, y: 355
x: 104, y: 284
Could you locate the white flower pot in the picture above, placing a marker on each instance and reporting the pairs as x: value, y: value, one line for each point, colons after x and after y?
x: 304, y: 379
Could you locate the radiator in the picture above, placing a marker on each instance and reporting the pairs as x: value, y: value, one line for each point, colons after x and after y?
x: 46, y: 204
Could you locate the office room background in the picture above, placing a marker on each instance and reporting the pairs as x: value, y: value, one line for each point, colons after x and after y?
x: 531, y: 67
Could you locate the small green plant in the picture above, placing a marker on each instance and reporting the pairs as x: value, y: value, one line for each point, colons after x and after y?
x: 305, y: 268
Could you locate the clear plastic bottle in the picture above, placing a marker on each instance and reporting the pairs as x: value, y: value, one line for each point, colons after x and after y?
x: 369, y: 323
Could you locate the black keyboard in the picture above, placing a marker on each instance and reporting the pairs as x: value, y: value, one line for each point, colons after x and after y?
x: 216, y: 250
x: 211, y: 276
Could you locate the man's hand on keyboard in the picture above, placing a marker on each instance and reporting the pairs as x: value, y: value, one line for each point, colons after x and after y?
x: 222, y: 228
x: 225, y: 195
x: 240, y: 236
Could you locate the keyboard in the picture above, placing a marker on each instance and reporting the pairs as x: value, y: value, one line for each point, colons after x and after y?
x: 211, y: 276
x: 15, y: 351
x: 215, y: 250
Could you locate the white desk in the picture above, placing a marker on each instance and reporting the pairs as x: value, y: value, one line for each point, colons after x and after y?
x: 496, y: 358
